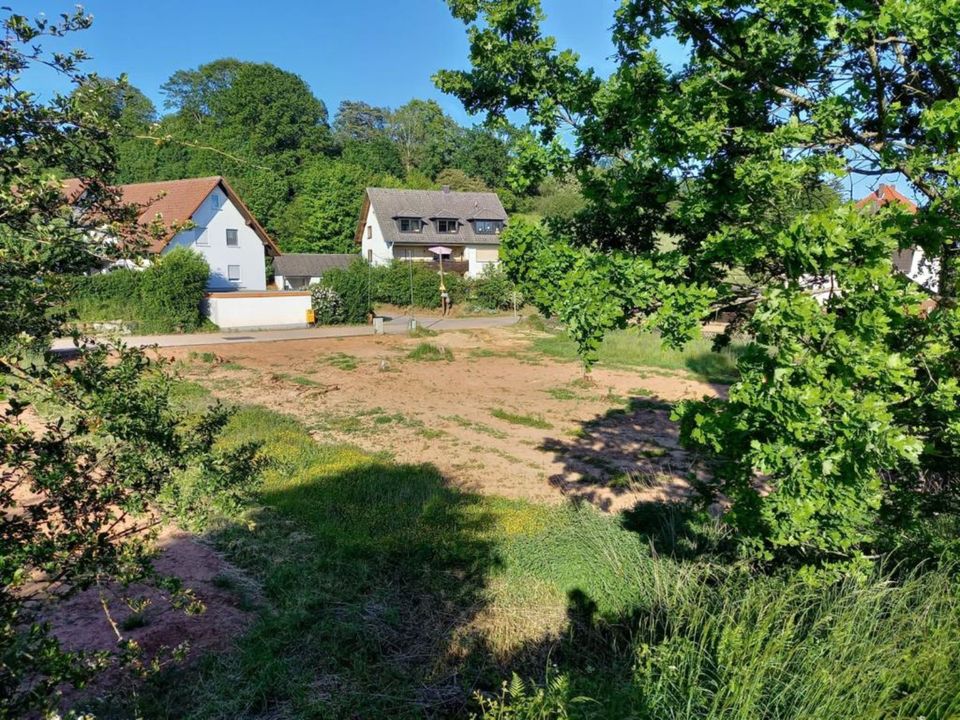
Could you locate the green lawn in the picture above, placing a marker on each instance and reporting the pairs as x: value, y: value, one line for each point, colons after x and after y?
x: 387, y: 593
x: 631, y: 348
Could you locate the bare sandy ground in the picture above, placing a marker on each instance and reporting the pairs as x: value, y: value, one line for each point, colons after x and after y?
x: 607, y: 440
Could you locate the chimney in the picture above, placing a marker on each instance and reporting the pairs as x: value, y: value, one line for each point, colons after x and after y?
x: 445, y: 188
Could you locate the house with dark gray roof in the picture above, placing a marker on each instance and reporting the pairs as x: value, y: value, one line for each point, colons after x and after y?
x: 298, y: 271
x: 404, y: 224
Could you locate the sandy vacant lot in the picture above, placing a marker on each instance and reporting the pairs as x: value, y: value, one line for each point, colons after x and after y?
x: 607, y: 440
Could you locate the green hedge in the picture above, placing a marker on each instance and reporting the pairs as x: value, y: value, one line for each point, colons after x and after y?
x: 165, y: 297
x: 402, y: 283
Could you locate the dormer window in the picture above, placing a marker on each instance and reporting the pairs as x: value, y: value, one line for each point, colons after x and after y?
x: 487, y: 227
x: 411, y: 225
x: 448, y: 226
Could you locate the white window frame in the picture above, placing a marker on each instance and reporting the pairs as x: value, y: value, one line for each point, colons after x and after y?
x: 236, y: 234
x: 201, y: 238
x: 239, y: 273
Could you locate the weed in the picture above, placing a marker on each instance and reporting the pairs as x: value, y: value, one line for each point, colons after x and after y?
x: 422, y: 331
x: 340, y: 361
x: 430, y: 353
x: 534, y: 421
x: 478, y: 426
x: 562, y: 393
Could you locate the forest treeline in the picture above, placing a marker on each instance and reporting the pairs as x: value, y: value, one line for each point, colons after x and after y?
x: 301, y: 172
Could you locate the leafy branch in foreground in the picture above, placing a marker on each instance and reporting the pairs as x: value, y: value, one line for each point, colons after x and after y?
x: 707, y: 188
x: 86, y: 446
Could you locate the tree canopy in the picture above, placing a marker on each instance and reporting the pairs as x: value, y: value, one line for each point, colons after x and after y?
x: 844, y: 419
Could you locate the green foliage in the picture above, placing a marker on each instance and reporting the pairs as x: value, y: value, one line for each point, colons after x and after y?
x: 172, y: 289
x: 847, y: 409
x: 328, y: 307
x: 519, y: 701
x: 392, y: 284
x: 658, y: 628
x: 353, y: 285
x: 87, y: 447
x: 328, y: 206
x: 494, y: 290
x: 165, y: 297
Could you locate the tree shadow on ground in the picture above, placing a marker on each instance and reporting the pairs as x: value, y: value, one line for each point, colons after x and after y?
x: 366, y: 573
x: 623, y: 456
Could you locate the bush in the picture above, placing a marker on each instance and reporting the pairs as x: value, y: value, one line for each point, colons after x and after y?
x: 107, y: 296
x: 393, y: 284
x: 493, y: 290
x: 327, y: 305
x: 165, y: 297
x: 354, y: 287
x: 172, y: 290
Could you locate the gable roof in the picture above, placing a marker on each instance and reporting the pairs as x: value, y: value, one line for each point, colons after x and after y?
x: 390, y: 203
x: 175, y: 201
x: 886, y: 194
x: 310, y: 264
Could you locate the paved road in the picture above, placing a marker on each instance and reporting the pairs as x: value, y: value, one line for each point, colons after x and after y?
x: 393, y: 326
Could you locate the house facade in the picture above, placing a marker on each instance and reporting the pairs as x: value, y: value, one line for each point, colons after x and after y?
x: 214, y: 221
x: 404, y: 224
x: 912, y: 262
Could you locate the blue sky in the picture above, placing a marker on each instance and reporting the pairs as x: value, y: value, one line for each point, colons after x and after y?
x: 379, y: 51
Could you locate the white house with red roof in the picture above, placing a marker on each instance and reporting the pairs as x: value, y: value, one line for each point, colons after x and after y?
x: 911, y: 262
x: 218, y: 226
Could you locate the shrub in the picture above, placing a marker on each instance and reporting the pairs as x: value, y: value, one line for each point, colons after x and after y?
x: 354, y: 287
x: 107, y: 296
x: 327, y: 305
x: 493, y: 290
x: 172, y: 290
x: 393, y: 284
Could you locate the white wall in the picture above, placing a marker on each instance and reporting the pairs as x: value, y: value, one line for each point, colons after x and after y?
x: 209, y: 239
x: 283, y: 283
x: 925, y: 271
x: 244, y: 311
x: 382, y: 252
x: 478, y: 257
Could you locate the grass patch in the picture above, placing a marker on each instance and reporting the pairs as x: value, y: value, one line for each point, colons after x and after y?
x: 632, y: 349
x: 388, y: 593
x: 533, y: 421
x: 422, y: 331
x: 477, y: 426
x: 340, y: 361
x: 296, y: 379
x: 562, y: 393
x: 430, y: 353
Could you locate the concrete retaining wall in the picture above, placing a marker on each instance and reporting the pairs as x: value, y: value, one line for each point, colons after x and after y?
x: 257, y: 310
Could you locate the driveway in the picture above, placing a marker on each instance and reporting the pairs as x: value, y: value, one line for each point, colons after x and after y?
x: 392, y: 326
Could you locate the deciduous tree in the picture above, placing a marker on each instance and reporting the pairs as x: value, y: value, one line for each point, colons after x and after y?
x: 844, y: 423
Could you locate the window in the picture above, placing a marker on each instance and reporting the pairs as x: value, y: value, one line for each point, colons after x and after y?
x: 233, y: 273
x: 488, y: 227
x: 370, y: 256
x: 200, y: 236
x: 369, y: 231
x: 445, y: 225
x: 233, y: 239
x: 215, y: 201
x: 410, y: 225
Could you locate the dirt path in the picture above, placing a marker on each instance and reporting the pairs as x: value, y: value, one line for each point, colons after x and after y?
x: 609, y: 441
